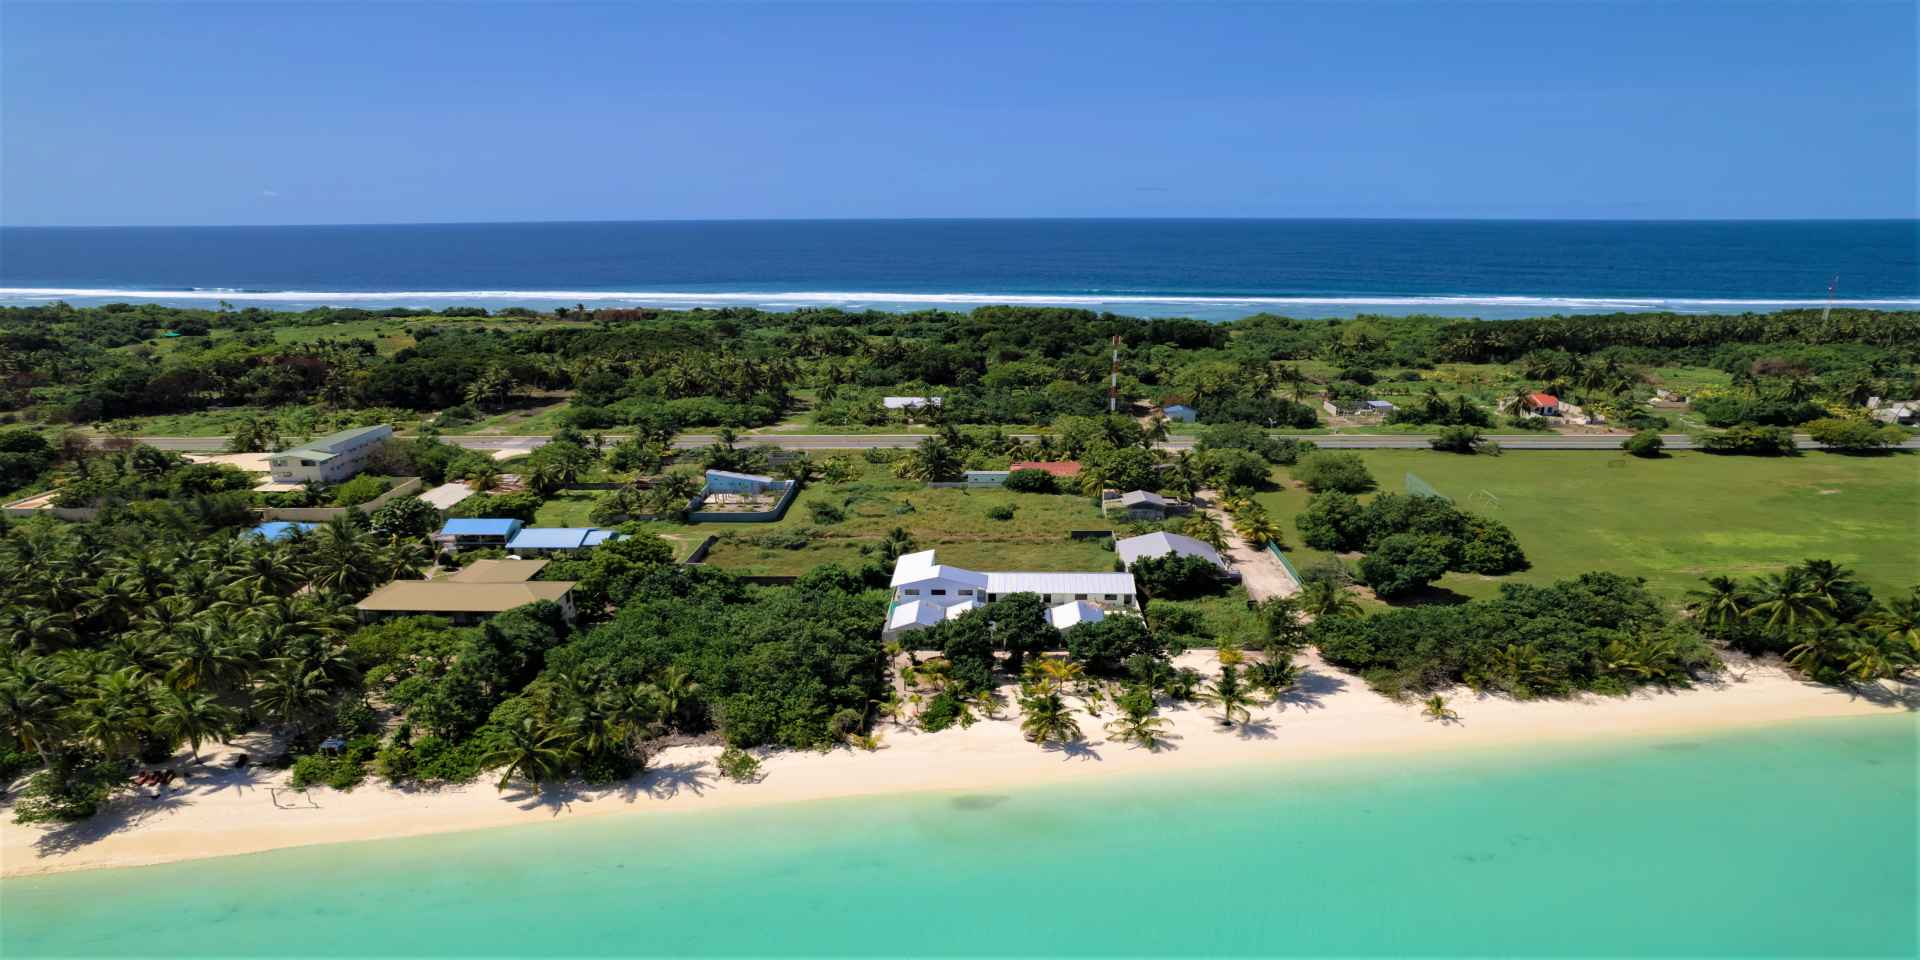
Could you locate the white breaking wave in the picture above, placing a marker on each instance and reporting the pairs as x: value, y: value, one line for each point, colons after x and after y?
x: 804, y: 298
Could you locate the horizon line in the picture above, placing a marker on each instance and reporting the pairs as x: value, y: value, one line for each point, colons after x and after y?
x: 1038, y: 219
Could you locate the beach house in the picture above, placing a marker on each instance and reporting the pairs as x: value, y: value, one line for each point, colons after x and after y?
x: 1540, y: 405
x: 926, y: 592
x: 483, y: 589
x: 474, y: 533
x: 329, y: 459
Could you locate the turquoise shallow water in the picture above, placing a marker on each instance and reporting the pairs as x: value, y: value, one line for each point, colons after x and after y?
x: 1798, y: 840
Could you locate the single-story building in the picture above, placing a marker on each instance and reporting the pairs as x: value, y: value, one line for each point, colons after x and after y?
x: 485, y: 588
x: 497, y: 571
x: 726, y: 481
x: 909, y: 404
x: 1069, y: 615
x: 549, y: 539
x: 1904, y: 412
x: 1540, y: 405
x: 1137, y: 505
x: 1160, y: 543
x: 477, y: 532
x: 1059, y: 468
x: 919, y: 579
x: 1180, y: 412
x: 986, y: 478
x: 280, y: 529
x: 1357, y: 408
x: 329, y: 459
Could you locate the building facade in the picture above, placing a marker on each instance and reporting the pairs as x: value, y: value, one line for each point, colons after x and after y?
x: 329, y: 459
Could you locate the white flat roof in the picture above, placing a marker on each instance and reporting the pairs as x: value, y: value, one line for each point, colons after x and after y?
x: 1087, y: 583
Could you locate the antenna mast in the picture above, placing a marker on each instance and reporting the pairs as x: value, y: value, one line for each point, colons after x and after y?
x: 1113, y: 382
x: 1831, y: 287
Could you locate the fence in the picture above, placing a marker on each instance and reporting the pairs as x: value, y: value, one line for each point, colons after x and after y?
x: 761, y: 516
x: 699, y: 553
x: 404, y: 488
x: 1284, y: 565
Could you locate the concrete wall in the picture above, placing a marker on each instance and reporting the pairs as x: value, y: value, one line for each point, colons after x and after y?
x: 406, y: 487
x: 765, y: 516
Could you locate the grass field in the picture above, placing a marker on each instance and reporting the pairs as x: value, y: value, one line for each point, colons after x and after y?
x: 1673, y: 520
x: 953, y: 522
x: 568, y: 508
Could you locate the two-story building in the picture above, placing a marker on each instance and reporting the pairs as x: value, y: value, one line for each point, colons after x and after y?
x: 329, y: 459
x: 475, y: 533
x: 926, y: 592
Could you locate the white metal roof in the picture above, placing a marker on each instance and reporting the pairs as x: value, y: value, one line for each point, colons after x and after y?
x: 1160, y: 543
x: 902, y: 403
x: 956, y: 610
x: 914, y: 613
x: 919, y: 568
x: 1091, y: 584
x: 1073, y: 614
x: 1136, y: 497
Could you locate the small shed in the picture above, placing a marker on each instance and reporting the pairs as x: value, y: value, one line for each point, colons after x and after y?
x: 1180, y: 412
x: 1137, y: 505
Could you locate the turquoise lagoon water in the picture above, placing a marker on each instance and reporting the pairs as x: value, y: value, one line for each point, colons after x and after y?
x: 1796, y: 840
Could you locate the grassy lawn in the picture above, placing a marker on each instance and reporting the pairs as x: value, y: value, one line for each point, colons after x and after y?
x: 1226, y: 617
x: 953, y: 522
x: 1673, y: 520
x: 568, y: 508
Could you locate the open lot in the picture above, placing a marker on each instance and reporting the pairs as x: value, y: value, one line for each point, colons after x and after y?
x: 1672, y: 520
x: 952, y: 521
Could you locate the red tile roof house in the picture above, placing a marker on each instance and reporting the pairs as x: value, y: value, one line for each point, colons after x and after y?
x: 1059, y: 468
x: 1543, y: 404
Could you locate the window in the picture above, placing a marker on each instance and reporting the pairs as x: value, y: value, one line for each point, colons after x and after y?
x: 938, y: 593
x: 1112, y: 597
x: 910, y: 593
x: 1079, y: 596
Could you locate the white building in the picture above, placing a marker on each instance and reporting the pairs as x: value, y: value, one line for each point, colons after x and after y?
x: 329, y: 459
x: 909, y: 404
x: 1160, y: 543
x: 920, y: 585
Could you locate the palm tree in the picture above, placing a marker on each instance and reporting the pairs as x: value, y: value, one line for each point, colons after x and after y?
x: 677, y: 692
x: 291, y: 696
x: 1899, y: 619
x: 898, y: 543
x: 1227, y: 693
x: 1205, y: 527
x: 33, y: 704
x: 1324, y: 599
x: 1230, y: 653
x: 1045, y: 718
x: 531, y: 750
x: 1788, y: 602
x: 1720, y: 606
x: 208, y: 657
x: 1436, y: 708
x: 1820, y: 652
x: 116, y: 713
x: 1257, y: 528
x: 1274, y: 676
x: 1138, y: 725
x: 1059, y: 673
x: 193, y: 717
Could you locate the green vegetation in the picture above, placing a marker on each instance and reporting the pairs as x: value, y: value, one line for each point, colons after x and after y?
x: 1598, y: 631
x: 1671, y: 521
x: 1818, y: 616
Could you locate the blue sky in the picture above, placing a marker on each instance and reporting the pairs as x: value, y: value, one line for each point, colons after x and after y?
x: 287, y: 113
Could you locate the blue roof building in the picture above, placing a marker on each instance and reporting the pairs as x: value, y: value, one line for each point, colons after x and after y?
x: 1180, y: 412
x: 535, y: 539
x: 477, y: 532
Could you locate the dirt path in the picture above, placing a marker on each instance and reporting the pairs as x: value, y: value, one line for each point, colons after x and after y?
x: 1260, y: 572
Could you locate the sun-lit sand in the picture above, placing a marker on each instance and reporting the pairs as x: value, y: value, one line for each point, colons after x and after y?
x: 222, y: 812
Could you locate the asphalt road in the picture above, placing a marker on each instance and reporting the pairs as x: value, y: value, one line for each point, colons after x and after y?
x: 822, y: 441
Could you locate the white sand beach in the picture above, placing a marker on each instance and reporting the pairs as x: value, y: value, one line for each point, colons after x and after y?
x: 222, y: 812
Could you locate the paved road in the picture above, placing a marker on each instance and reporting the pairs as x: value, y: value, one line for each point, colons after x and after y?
x: 824, y: 442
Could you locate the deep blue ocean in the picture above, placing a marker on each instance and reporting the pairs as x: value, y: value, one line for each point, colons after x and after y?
x: 1204, y: 268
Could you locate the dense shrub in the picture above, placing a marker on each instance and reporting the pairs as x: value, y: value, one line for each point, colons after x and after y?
x: 1104, y: 646
x: 1175, y: 577
x: 1752, y: 442
x: 1030, y: 481
x: 1728, y: 411
x: 1333, y: 521
x: 1403, y: 563
x: 1324, y: 470
x: 358, y: 490
x: 1854, y: 436
x: 1646, y: 443
x: 1599, y: 631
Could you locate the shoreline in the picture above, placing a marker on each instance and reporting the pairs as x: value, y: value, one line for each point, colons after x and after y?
x: 222, y: 812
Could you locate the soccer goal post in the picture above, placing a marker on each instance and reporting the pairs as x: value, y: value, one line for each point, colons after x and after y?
x: 1417, y: 487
